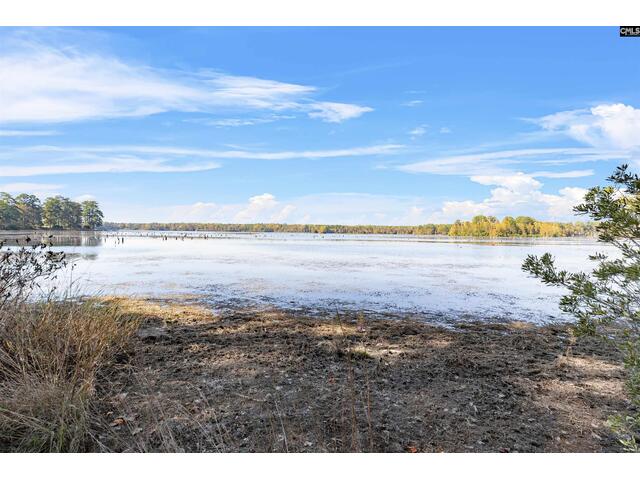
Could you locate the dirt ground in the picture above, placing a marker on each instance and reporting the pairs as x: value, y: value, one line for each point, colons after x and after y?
x: 277, y: 381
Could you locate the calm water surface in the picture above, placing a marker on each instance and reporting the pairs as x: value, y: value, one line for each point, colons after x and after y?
x: 438, y: 277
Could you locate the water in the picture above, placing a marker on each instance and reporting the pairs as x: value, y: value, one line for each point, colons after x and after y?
x: 435, y: 277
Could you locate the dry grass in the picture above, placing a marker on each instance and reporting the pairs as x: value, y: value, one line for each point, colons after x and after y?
x: 50, y: 356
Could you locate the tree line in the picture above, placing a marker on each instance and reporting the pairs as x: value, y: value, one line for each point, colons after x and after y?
x: 479, y: 226
x: 27, y: 212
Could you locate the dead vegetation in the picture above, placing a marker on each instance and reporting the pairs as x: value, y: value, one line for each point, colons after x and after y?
x: 51, y: 358
x: 276, y: 381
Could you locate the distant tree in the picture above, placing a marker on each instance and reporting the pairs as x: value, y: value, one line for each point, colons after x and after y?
x: 489, y: 227
x: 30, y: 211
x: 71, y: 214
x: 9, y: 213
x: 52, y: 212
x: 606, y: 301
x: 525, y: 220
x: 92, y: 216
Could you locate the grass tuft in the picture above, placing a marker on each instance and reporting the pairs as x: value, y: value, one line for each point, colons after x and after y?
x: 50, y: 356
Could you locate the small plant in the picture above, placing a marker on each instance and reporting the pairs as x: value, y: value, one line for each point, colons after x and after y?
x: 23, y: 269
x: 606, y: 301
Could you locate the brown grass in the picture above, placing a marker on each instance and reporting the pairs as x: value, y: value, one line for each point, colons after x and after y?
x: 50, y: 358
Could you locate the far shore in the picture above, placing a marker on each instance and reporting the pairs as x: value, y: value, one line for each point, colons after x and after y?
x: 200, y: 233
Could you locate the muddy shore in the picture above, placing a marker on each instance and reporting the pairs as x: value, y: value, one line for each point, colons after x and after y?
x: 270, y: 380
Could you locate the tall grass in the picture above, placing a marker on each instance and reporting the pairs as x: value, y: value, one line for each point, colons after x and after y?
x: 50, y: 355
x: 52, y: 348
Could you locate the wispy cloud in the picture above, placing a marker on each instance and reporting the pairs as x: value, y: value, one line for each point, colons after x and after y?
x: 419, y: 131
x: 56, y: 160
x: 39, y: 189
x: 412, y: 103
x: 567, y: 174
x: 85, y: 197
x: 332, y: 112
x: 505, y: 161
x: 608, y: 131
x: 241, y: 122
x: 106, y: 165
x: 41, y: 83
x: 27, y: 133
x: 221, y: 154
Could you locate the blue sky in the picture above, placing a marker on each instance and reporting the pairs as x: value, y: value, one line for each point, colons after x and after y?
x: 317, y: 125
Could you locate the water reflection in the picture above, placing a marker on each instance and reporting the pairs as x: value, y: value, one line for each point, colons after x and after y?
x: 56, y: 239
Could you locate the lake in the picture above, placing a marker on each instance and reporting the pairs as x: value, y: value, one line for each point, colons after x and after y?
x: 438, y: 278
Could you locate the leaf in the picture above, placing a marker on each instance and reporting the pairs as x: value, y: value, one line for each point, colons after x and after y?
x: 117, y: 422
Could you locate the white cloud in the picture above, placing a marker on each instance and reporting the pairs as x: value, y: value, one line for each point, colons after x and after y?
x: 518, y: 182
x: 44, y: 84
x: 124, y: 164
x: 283, y: 215
x: 610, y: 131
x: 568, y: 174
x: 419, y: 131
x: 243, y: 122
x: 256, y: 92
x: 259, y: 206
x: 264, y: 208
x: 84, y: 198
x: 504, y: 161
x: 412, y: 103
x: 332, y: 112
x: 238, y: 122
x: 38, y: 189
x: 54, y: 160
x: 323, y: 208
x: 27, y: 133
x: 445, y: 130
x: 561, y: 206
x: 452, y: 210
x: 613, y: 125
x: 254, y: 155
x: 514, y: 195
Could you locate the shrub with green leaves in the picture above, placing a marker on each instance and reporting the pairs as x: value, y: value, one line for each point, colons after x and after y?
x: 606, y: 301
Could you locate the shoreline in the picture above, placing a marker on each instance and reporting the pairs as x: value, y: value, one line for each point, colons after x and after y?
x: 239, y: 380
x: 199, y: 233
